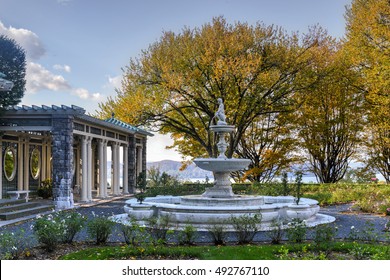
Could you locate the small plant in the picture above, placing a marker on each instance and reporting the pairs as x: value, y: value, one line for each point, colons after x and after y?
x: 369, y: 233
x: 187, y: 235
x: 140, y: 197
x: 45, y: 189
x: 73, y: 222
x: 276, y: 232
x: 141, y: 185
x: 324, y: 235
x: 49, y: 231
x: 296, y: 232
x: 285, y: 188
x: 133, y: 233
x: 387, y: 226
x: 218, y: 232
x: 99, y: 229
x: 245, y: 227
x: 159, y: 229
x: 11, y: 245
x: 359, y: 251
x: 298, y: 187
x: 283, y: 253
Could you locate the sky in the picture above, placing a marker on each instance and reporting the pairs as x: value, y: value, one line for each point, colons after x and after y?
x: 76, y: 49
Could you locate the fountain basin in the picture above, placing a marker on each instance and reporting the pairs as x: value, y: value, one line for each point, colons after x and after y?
x: 224, y: 128
x: 222, y: 164
x: 203, y: 212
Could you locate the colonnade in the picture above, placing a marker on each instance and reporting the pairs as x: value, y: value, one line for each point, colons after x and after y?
x: 94, y: 165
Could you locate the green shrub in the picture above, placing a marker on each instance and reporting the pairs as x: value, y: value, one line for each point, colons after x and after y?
x: 187, y: 235
x: 360, y: 252
x: 324, y: 235
x: 49, y: 231
x: 159, y: 229
x: 276, y: 231
x: 218, y: 232
x: 99, y: 228
x: 296, y: 231
x: 245, y: 227
x: 12, y: 244
x: 133, y: 233
x: 73, y: 222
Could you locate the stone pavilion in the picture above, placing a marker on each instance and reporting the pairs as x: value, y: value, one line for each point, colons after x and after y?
x: 66, y: 145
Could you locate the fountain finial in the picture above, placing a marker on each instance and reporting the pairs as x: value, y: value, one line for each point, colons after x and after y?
x: 220, y: 114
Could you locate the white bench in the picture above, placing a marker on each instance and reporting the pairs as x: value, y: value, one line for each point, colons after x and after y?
x: 19, y: 195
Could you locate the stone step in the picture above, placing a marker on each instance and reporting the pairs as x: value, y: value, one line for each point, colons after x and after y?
x: 19, y: 206
x: 26, y: 212
x: 7, y: 202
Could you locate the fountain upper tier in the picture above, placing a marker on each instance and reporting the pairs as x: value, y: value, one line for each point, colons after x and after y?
x: 222, y: 164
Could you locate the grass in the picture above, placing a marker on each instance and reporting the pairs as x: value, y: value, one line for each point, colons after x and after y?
x: 337, y: 250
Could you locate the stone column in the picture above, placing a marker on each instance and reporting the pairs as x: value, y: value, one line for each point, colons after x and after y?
x: 62, y: 154
x: 1, y: 169
x: 20, y: 165
x: 143, y: 166
x: 48, y: 161
x: 43, y: 159
x: 77, y: 167
x: 132, y: 164
x: 84, y: 160
x: 105, y: 168
x: 125, y: 170
x: 116, y: 169
x: 139, y: 160
x: 101, y: 168
x: 26, y: 164
x: 89, y: 166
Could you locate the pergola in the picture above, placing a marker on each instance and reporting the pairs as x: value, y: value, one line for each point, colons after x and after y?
x: 64, y: 144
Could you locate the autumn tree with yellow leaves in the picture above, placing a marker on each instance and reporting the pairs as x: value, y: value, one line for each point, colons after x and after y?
x: 330, y: 119
x: 173, y: 86
x: 368, y: 47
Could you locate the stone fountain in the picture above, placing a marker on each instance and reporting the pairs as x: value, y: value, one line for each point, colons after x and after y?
x: 218, y: 204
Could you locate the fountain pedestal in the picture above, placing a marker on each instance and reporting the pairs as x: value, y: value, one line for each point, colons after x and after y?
x: 222, y: 186
x: 221, y: 166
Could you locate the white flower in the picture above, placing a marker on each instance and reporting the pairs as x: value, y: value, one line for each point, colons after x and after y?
x: 352, y: 227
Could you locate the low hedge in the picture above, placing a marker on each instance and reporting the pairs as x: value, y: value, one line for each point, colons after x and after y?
x: 371, y: 198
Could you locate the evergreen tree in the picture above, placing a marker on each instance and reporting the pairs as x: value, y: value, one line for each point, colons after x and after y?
x: 13, y: 66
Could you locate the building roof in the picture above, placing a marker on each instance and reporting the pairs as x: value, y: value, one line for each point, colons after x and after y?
x: 78, y: 113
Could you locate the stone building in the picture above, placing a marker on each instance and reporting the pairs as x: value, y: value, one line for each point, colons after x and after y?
x: 64, y: 144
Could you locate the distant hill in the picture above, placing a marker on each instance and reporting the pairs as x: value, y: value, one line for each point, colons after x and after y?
x: 173, y: 168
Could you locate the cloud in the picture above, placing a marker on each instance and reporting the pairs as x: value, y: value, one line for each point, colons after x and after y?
x: 39, y: 78
x: 85, y: 94
x: 115, y: 82
x: 65, y: 68
x: 27, y: 39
